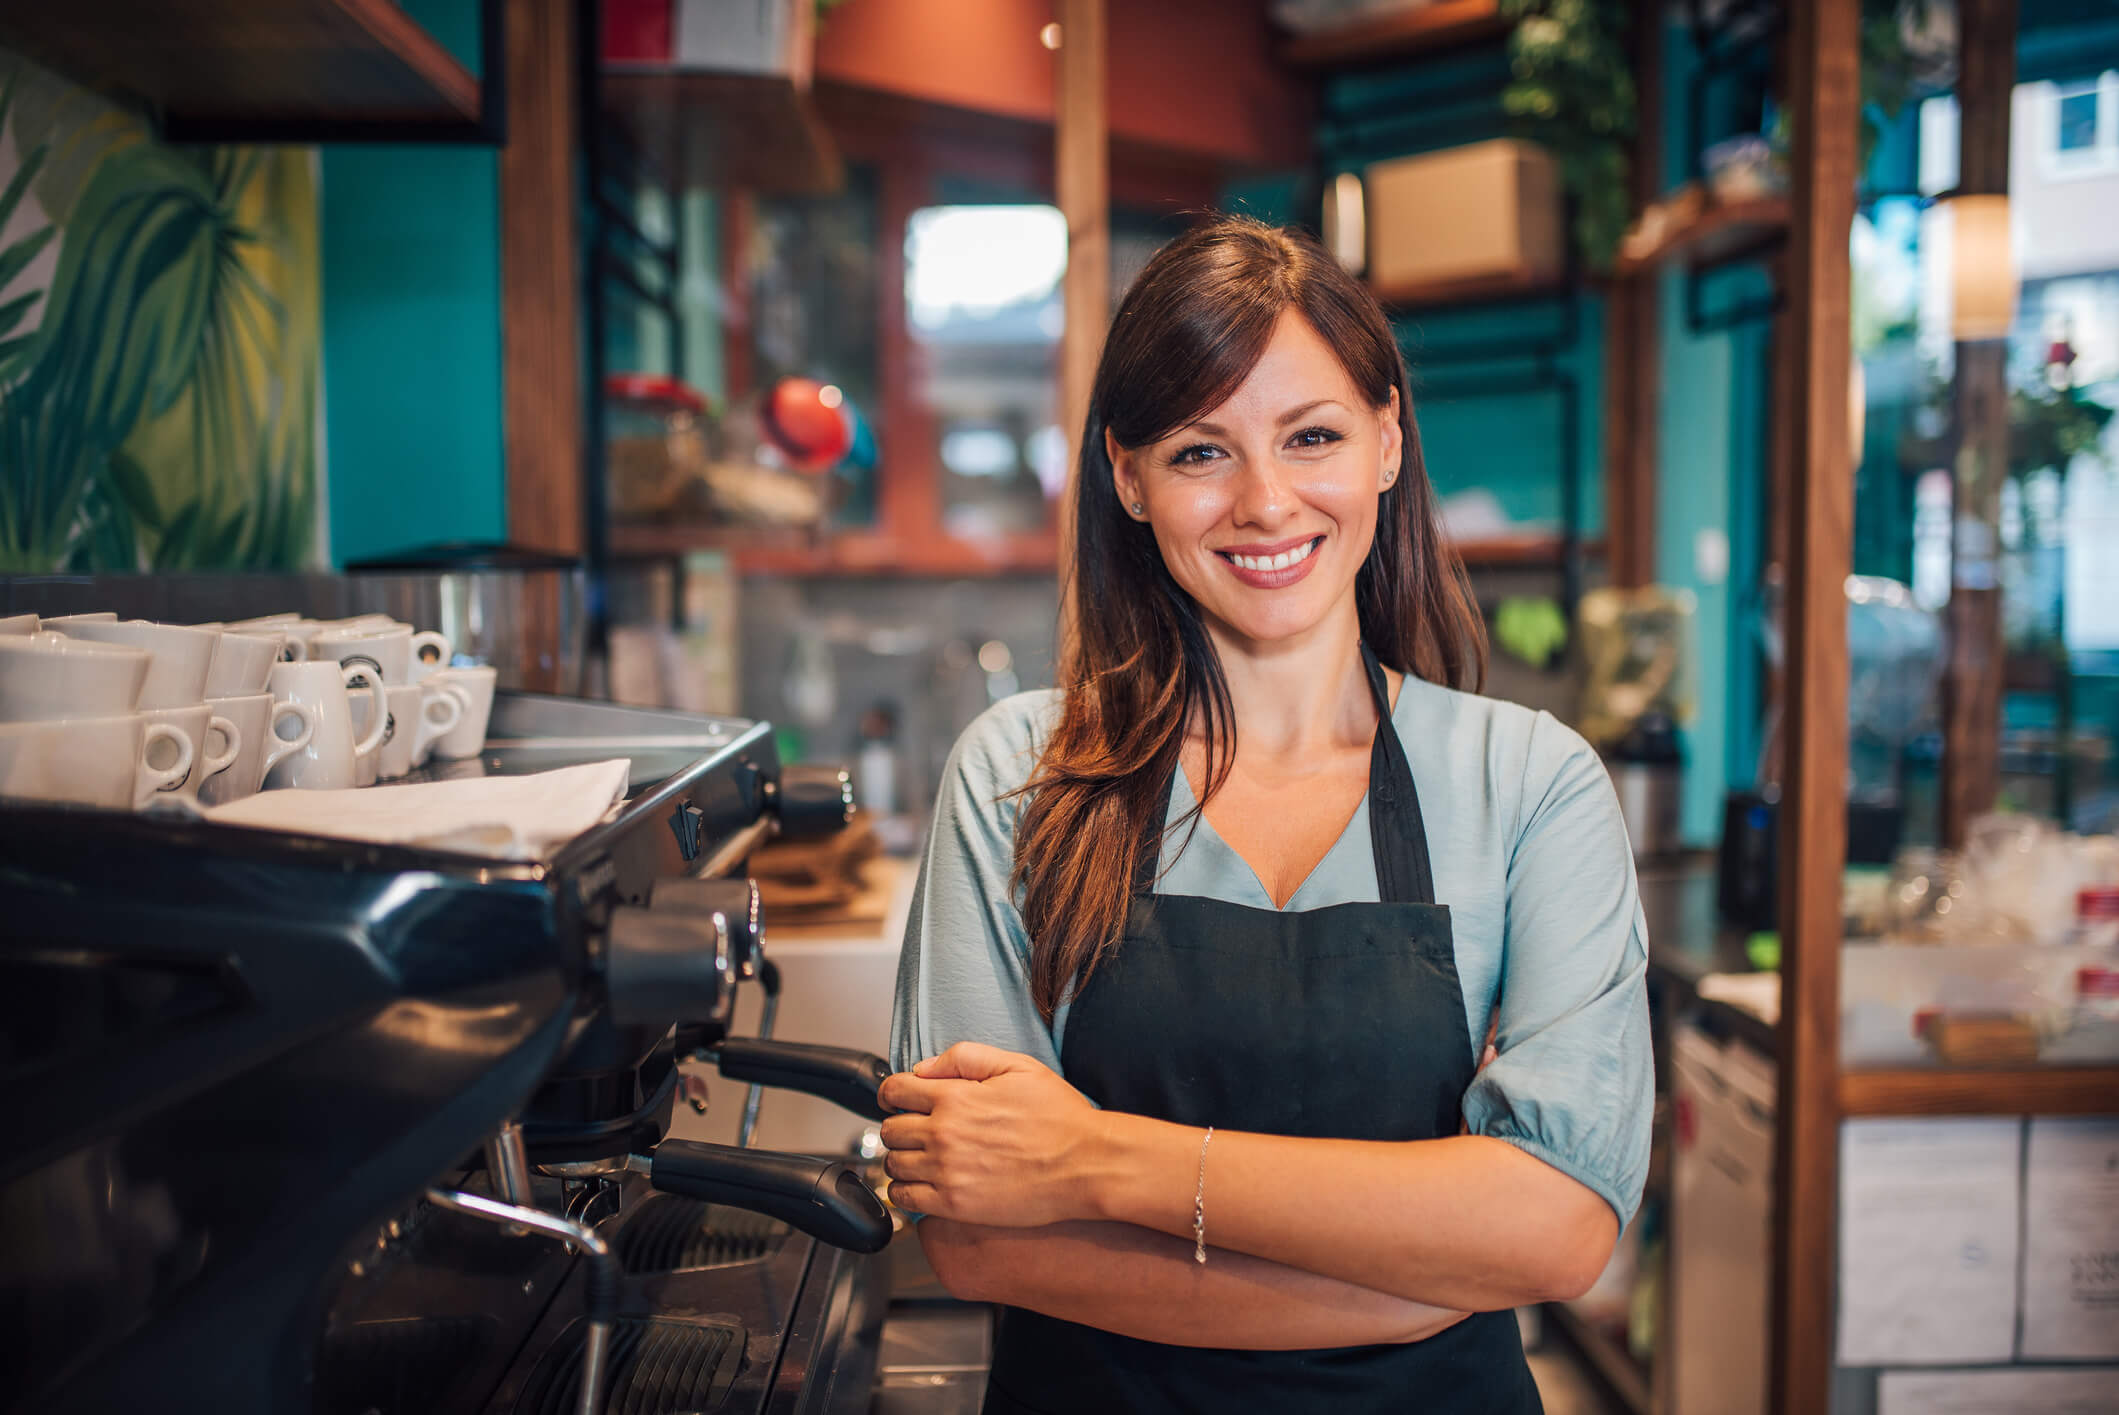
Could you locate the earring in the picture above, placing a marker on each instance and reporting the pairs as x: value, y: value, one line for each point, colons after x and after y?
x: 1138, y: 508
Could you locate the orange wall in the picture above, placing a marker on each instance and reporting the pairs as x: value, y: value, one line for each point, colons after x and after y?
x: 1196, y: 75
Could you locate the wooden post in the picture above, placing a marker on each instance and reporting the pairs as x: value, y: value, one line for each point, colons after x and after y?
x: 540, y: 306
x: 1082, y: 174
x: 1824, y: 94
x: 1971, y: 733
x: 1632, y: 340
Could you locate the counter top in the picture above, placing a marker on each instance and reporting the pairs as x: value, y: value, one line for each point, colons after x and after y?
x: 1687, y: 941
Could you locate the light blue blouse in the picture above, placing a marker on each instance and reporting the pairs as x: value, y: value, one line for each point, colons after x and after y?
x: 1529, y: 853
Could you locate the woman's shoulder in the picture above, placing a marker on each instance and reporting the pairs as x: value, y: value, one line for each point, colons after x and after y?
x: 1507, y: 744
x: 996, y: 753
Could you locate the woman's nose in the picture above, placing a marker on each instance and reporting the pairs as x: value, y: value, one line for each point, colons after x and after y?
x: 1263, y: 496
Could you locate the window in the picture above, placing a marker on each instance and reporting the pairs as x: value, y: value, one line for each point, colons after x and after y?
x: 2079, y: 136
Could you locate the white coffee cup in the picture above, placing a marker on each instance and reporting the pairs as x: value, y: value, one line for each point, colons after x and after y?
x: 475, y: 686
x: 394, y: 651
x: 417, y: 719
x: 91, y: 761
x: 19, y: 624
x: 49, y: 677
x: 100, y: 616
x: 198, y: 723
x: 331, y: 759
x: 240, y: 663
x: 259, y: 717
x: 177, y: 677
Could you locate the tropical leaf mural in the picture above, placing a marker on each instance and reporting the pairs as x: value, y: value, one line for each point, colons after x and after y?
x: 158, y: 379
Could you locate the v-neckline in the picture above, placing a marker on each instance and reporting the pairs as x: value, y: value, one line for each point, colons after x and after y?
x: 1358, y: 818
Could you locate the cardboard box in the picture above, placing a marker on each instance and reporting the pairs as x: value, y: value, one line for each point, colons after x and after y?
x: 1488, y: 213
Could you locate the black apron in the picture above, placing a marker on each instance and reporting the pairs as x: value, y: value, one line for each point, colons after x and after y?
x: 1345, y: 1022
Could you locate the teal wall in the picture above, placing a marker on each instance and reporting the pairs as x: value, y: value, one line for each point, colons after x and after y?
x: 412, y: 364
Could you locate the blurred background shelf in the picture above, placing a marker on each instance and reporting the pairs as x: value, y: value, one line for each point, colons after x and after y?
x: 313, y: 70
x: 1722, y: 231
x: 1398, y: 35
x: 696, y: 128
x: 1442, y: 294
x: 2043, y: 1090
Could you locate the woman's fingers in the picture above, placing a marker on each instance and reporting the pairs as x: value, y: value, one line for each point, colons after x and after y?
x: 917, y: 1198
x: 907, y: 1092
x: 911, y: 1165
x: 906, y: 1132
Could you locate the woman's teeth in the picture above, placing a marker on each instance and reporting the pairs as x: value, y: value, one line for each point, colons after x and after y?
x: 1276, y: 562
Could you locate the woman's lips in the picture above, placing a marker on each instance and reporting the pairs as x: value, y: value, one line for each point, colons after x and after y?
x: 1281, y: 576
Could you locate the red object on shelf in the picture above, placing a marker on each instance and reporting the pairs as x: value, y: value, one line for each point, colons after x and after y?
x: 638, y: 32
x: 807, y: 421
x: 2097, y: 982
x: 655, y: 390
x: 2100, y: 902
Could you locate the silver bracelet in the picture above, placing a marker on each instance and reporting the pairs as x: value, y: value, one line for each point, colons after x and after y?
x: 1199, y: 1203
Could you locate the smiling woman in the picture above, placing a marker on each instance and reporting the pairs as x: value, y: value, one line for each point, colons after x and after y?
x: 1210, y: 942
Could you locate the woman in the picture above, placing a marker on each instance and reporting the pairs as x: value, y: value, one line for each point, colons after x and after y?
x: 1259, y: 867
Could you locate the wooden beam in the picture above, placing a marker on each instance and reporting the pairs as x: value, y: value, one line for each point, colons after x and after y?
x: 1632, y: 336
x: 1824, y: 86
x: 540, y: 305
x: 1082, y: 175
x: 1971, y: 726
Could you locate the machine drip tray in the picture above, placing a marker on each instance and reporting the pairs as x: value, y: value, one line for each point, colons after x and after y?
x: 659, y: 1366
x: 399, y: 1364
x: 668, y: 1233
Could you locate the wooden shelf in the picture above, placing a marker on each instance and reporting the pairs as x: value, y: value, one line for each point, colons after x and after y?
x: 238, y: 68
x: 1442, y: 294
x: 2044, y: 1090
x: 1723, y: 231
x: 788, y: 551
x: 1501, y: 552
x: 1443, y: 25
x: 694, y: 128
x: 1615, y: 1367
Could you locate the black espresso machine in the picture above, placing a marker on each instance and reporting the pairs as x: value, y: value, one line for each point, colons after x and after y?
x: 298, y: 1124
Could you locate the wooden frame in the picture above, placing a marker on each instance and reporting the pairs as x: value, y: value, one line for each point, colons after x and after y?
x: 1823, y: 103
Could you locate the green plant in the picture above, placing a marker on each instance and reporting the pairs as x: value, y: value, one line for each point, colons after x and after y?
x: 162, y: 413
x: 1571, y: 90
x: 1906, y: 54
x: 2050, y: 427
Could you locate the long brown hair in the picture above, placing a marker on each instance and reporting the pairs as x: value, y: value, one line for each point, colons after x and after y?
x: 1141, y: 665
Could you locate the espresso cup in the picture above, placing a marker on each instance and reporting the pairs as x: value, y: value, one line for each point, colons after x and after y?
x: 393, y: 651
x: 177, y: 677
x: 115, y: 762
x: 49, y: 677
x: 18, y: 624
x: 200, y: 724
x: 331, y: 758
x: 240, y: 663
x: 474, y: 686
x: 267, y: 739
x: 417, y: 719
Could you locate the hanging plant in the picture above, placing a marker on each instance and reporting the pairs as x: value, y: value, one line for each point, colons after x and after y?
x: 2050, y: 427
x: 1571, y: 91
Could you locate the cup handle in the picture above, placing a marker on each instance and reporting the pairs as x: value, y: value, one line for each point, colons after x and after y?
x: 443, y: 652
x: 378, y: 706
x: 231, y: 734
x: 294, y: 650
x: 152, y: 779
x: 280, y: 748
x: 451, y: 702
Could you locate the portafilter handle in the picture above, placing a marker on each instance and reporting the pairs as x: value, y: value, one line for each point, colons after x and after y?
x: 845, y: 1077
x: 821, y: 1197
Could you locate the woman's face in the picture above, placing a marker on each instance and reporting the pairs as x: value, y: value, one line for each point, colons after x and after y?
x: 1265, y: 507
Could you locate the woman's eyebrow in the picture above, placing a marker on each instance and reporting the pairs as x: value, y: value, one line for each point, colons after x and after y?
x: 1291, y: 415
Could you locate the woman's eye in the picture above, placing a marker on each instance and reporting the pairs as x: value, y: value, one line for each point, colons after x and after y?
x: 1314, y: 437
x: 1196, y: 453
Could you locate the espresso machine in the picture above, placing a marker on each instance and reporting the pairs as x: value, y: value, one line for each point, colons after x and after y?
x: 290, y: 1123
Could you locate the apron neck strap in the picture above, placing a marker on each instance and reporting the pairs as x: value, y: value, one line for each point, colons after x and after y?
x: 1397, y: 831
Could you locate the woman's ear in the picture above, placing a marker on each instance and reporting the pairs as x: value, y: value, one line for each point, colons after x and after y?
x: 1122, y: 478
x: 1393, y: 442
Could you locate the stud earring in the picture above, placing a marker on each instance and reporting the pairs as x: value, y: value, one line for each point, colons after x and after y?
x: 1138, y: 508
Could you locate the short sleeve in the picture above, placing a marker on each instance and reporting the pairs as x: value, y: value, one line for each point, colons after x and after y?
x: 1573, y: 1081
x: 964, y: 971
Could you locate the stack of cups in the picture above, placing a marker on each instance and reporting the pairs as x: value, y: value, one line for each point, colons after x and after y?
x: 270, y: 728
x: 412, y: 712
x: 71, y: 728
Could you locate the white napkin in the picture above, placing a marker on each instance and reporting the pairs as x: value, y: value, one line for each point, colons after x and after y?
x: 505, y: 817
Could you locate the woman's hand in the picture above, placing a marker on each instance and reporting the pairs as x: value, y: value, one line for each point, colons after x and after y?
x: 989, y: 1137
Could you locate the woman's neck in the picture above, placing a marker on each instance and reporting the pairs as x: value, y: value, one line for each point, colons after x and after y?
x: 1299, y: 696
